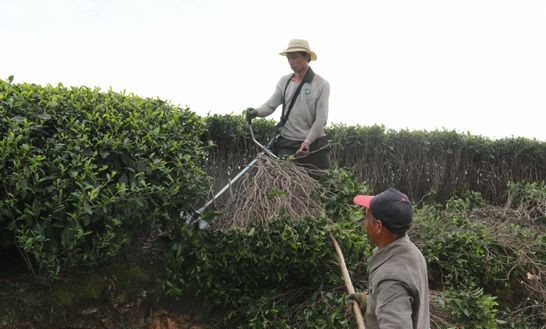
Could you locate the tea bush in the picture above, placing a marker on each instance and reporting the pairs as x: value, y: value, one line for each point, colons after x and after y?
x: 288, y: 277
x: 469, y: 308
x: 301, y: 308
x: 426, y: 165
x: 339, y: 188
x: 470, y: 246
x: 529, y: 201
x: 82, y: 171
x: 232, y: 147
x: 455, y: 247
x: 461, y: 252
x: 226, y: 266
x: 243, y: 269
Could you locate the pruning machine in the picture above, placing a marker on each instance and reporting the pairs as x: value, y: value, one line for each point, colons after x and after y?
x: 194, y: 218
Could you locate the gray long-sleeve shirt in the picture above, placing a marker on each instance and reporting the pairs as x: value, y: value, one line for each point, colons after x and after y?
x: 310, y: 112
x: 398, y: 295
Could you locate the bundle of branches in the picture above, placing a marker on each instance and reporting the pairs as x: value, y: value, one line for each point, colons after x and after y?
x: 528, y: 201
x: 527, y: 253
x: 271, y: 188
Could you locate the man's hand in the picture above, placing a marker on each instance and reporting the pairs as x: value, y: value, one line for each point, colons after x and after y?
x: 250, y: 113
x: 304, y: 149
x: 361, y: 298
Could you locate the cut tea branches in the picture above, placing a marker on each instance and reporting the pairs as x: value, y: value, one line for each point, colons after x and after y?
x: 272, y: 188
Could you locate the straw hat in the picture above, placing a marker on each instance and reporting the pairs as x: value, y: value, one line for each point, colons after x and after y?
x: 299, y: 45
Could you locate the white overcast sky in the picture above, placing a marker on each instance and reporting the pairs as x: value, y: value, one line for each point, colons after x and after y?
x: 476, y: 66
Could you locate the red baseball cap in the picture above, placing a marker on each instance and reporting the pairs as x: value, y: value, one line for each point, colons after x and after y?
x: 363, y: 200
x: 392, y: 207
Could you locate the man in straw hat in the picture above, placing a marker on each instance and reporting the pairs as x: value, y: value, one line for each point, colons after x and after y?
x: 398, y: 295
x: 304, y: 96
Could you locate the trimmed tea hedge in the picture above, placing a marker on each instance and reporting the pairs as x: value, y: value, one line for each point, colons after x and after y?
x: 82, y: 171
x: 430, y: 165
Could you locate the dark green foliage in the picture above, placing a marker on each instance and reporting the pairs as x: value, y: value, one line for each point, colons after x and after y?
x: 246, y: 269
x: 529, y: 200
x: 230, y: 129
x: 465, y: 260
x: 302, y: 308
x: 455, y: 249
x: 273, y: 278
x: 469, y: 308
x: 83, y: 171
x: 233, y: 145
x: 339, y: 188
x: 520, y: 193
x: 469, y: 247
x: 463, y: 252
x: 251, y: 262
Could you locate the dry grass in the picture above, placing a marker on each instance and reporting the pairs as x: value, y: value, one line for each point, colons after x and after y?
x: 526, y: 295
x: 529, y: 255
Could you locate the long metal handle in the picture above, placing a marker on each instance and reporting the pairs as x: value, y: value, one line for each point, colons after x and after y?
x: 226, y: 187
x: 265, y: 149
x: 240, y: 174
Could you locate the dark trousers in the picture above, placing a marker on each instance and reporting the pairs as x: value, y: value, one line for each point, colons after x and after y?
x: 317, y: 159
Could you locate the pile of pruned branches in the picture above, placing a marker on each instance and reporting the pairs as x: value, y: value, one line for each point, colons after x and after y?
x: 271, y: 188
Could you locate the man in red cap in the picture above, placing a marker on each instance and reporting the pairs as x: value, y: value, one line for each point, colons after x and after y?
x: 398, y: 295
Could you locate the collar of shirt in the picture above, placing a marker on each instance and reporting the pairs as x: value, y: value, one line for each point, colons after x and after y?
x: 380, y: 256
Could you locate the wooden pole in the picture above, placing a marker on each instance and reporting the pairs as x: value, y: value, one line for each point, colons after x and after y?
x: 348, y: 283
